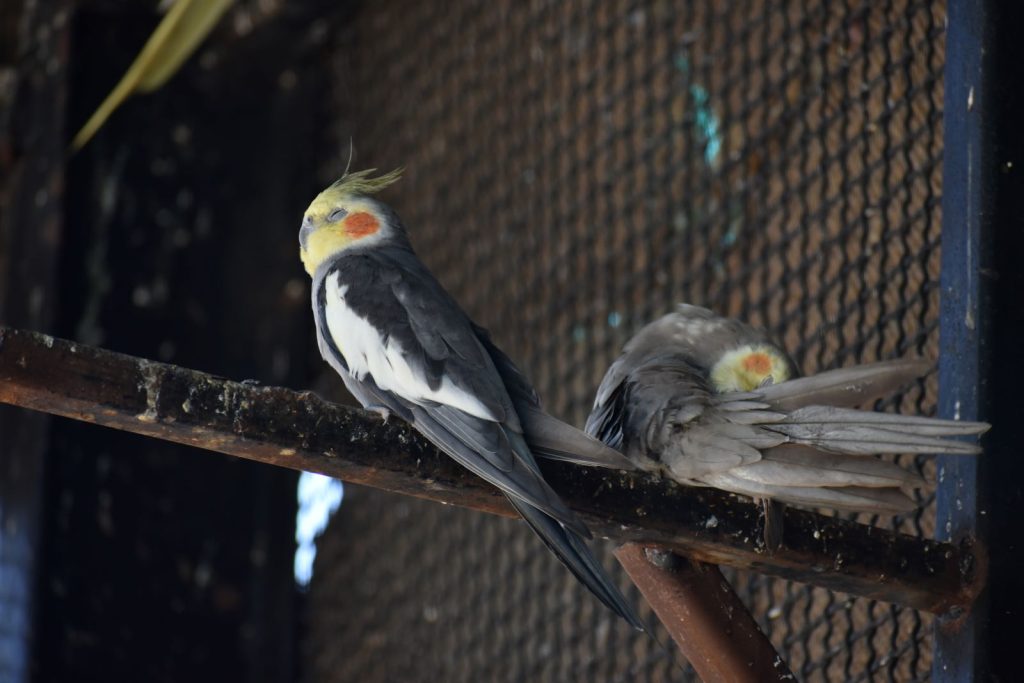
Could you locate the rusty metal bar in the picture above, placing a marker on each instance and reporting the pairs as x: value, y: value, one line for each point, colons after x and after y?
x: 301, y: 431
x: 704, y: 616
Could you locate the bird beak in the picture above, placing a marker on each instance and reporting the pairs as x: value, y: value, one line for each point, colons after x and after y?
x: 304, y: 231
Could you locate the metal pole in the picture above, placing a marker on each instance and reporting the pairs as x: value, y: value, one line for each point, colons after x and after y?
x: 300, y: 431
x: 981, y: 329
x: 704, y: 616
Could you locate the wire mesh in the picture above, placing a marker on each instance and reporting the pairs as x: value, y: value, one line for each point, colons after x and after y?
x: 576, y: 168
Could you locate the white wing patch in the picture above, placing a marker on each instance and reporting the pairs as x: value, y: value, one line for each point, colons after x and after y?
x: 366, y: 353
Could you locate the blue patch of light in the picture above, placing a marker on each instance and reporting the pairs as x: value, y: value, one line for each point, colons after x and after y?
x: 730, y: 237
x: 319, y: 497
x: 707, y: 124
x: 614, y: 319
x: 705, y: 120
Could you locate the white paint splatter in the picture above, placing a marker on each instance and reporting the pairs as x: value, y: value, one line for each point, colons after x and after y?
x: 151, y: 385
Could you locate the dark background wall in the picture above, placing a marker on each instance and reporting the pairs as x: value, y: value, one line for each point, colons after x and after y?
x: 33, y: 76
x: 175, y: 239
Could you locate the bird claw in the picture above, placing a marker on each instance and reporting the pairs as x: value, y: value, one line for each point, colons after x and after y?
x: 383, y: 411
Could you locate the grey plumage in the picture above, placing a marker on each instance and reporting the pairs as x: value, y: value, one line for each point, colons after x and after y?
x: 388, y: 288
x: 796, y: 440
x: 403, y: 346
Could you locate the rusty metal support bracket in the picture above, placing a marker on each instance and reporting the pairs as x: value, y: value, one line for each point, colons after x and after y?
x: 301, y: 431
x: 704, y: 616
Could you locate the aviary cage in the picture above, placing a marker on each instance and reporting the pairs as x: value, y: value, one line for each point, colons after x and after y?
x: 575, y: 169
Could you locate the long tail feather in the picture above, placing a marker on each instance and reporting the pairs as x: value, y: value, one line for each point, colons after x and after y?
x: 866, y: 439
x: 822, y: 462
x: 556, y: 440
x: 906, y: 424
x: 851, y: 498
x: 802, y: 466
x: 524, y: 482
x: 844, y: 387
x: 575, y: 555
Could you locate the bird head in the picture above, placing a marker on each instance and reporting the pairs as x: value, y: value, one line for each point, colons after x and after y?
x: 750, y: 366
x: 345, y: 216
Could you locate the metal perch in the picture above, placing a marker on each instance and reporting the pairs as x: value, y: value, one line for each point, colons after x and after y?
x: 301, y: 431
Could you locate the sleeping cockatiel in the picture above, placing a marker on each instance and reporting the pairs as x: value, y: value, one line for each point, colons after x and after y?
x: 711, y: 401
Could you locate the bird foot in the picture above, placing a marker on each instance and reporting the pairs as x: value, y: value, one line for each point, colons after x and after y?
x: 383, y: 411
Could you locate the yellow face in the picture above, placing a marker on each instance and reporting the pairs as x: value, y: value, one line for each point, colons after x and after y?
x: 747, y: 368
x: 333, y: 223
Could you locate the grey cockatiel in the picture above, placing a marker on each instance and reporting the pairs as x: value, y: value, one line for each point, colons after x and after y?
x: 404, y: 347
x: 711, y: 401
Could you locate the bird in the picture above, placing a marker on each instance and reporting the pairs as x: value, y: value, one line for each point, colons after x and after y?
x: 404, y: 347
x: 706, y: 400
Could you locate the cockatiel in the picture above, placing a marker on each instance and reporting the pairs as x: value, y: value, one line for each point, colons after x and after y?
x: 711, y: 401
x: 403, y: 346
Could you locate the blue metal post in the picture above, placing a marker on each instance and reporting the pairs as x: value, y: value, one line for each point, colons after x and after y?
x: 981, y: 330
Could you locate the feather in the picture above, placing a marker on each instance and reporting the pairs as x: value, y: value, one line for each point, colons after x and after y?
x: 556, y: 440
x: 548, y: 436
x: 522, y: 481
x: 732, y: 404
x: 575, y: 555
x: 754, y: 436
x: 845, y: 387
x: 707, y: 446
x: 802, y: 466
x: 852, y: 498
x: 754, y: 417
x: 396, y: 364
x: 908, y: 424
x: 869, y: 440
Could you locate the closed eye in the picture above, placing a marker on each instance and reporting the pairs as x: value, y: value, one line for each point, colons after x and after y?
x: 336, y: 215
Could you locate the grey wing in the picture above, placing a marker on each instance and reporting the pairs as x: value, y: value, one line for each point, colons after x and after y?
x: 580, y: 561
x: 449, y: 368
x: 546, y: 435
x: 608, y: 414
x: 663, y: 415
x: 689, y: 341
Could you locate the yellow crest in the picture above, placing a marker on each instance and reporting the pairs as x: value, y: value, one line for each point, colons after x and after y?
x: 362, y: 182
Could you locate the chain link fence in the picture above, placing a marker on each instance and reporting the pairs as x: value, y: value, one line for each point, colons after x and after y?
x: 573, y: 170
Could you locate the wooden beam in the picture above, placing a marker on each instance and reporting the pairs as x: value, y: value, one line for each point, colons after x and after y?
x: 299, y: 430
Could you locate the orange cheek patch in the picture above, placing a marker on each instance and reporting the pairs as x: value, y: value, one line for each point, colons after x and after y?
x: 757, y: 362
x: 361, y: 224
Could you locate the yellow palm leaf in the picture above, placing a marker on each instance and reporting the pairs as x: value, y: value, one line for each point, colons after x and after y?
x: 177, y: 36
